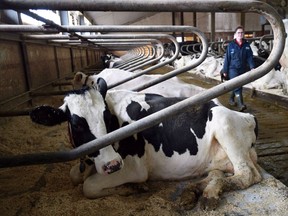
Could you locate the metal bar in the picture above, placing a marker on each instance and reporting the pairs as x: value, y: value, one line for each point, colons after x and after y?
x: 173, y: 73
x: 32, y: 90
x: 134, y: 5
x: 129, y: 36
x: 265, y: 37
x: 102, y: 37
x: 46, y: 93
x: 142, y: 56
x: 61, y: 83
x: 253, y: 6
x: 155, y: 66
x: 149, y: 56
x: 135, y: 57
x: 153, y: 60
x: 97, y: 28
x: 15, y: 113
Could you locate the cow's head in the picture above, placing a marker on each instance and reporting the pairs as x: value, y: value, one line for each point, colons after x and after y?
x: 81, y: 80
x: 88, y: 118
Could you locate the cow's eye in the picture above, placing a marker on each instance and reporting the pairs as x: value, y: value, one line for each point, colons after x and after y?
x: 77, y: 127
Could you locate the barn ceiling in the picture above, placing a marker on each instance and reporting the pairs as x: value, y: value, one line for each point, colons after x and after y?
x: 115, y: 18
x: 124, y: 18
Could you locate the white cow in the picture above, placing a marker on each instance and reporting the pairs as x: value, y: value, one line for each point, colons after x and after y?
x: 205, y: 139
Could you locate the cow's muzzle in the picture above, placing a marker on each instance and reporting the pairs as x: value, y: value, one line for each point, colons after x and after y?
x: 112, y: 166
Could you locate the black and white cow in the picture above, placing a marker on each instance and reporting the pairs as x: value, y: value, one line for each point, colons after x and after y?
x: 110, y: 60
x: 173, y: 87
x: 206, y: 139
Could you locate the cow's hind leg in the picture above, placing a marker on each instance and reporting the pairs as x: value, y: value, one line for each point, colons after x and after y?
x: 236, y: 137
x: 210, y: 188
x: 211, y: 193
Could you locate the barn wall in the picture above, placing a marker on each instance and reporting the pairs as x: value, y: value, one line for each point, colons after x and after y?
x: 26, y: 66
x: 225, y: 23
x: 42, y: 63
x: 12, y: 74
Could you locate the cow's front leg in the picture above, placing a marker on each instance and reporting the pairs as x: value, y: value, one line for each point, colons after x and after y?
x: 81, y: 171
x: 103, y: 185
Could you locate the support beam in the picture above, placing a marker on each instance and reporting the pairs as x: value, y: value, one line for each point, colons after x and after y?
x: 212, y: 26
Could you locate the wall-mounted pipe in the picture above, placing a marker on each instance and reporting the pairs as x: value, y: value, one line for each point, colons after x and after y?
x: 240, y: 6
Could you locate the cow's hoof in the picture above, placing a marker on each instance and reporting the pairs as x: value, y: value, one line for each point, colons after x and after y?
x: 208, y: 204
x: 188, y: 200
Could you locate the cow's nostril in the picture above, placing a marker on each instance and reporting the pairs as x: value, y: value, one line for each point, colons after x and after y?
x: 112, y: 166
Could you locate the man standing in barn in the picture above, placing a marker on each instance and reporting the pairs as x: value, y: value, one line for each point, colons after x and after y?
x: 238, y: 55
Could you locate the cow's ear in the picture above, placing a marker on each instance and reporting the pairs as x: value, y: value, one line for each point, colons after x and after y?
x: 47, y: 115
x: 102, y: 86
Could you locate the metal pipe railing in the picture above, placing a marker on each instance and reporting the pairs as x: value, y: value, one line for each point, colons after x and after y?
x: 178, y: 71
x: 240, y: 6
x: 141, y: 55
x: 136, y: 55
x: 265, y: 37
x: 149, y: 56
x: 153, y: 60
x: 138, y: 36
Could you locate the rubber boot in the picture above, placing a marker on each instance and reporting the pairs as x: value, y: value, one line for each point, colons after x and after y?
x: 232, y: 100
x: 241, y: 105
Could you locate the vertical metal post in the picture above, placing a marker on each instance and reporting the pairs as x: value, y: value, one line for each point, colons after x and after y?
x: 173, y: 22
x: 72, y: 59
x: 64, y: 19
x: 182, y: 23
x: 242, y: 19
x: 57, y: 64
x: 212, y: 26
x: 195, y: 19
x: 25, y: 61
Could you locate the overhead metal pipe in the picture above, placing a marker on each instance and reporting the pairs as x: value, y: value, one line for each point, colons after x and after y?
x: 136, y: 5
x: 246, y: 6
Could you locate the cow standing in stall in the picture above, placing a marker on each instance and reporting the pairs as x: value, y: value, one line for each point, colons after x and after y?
x: 207, y: 139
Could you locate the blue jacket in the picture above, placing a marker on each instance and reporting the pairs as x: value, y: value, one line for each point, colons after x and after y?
x: 237, y: 57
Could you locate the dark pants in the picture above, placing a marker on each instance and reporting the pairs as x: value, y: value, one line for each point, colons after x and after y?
x: 236, y: 92
x: 232, y: 74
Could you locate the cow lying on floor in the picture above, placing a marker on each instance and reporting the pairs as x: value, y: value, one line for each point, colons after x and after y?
x: 207, y: 139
